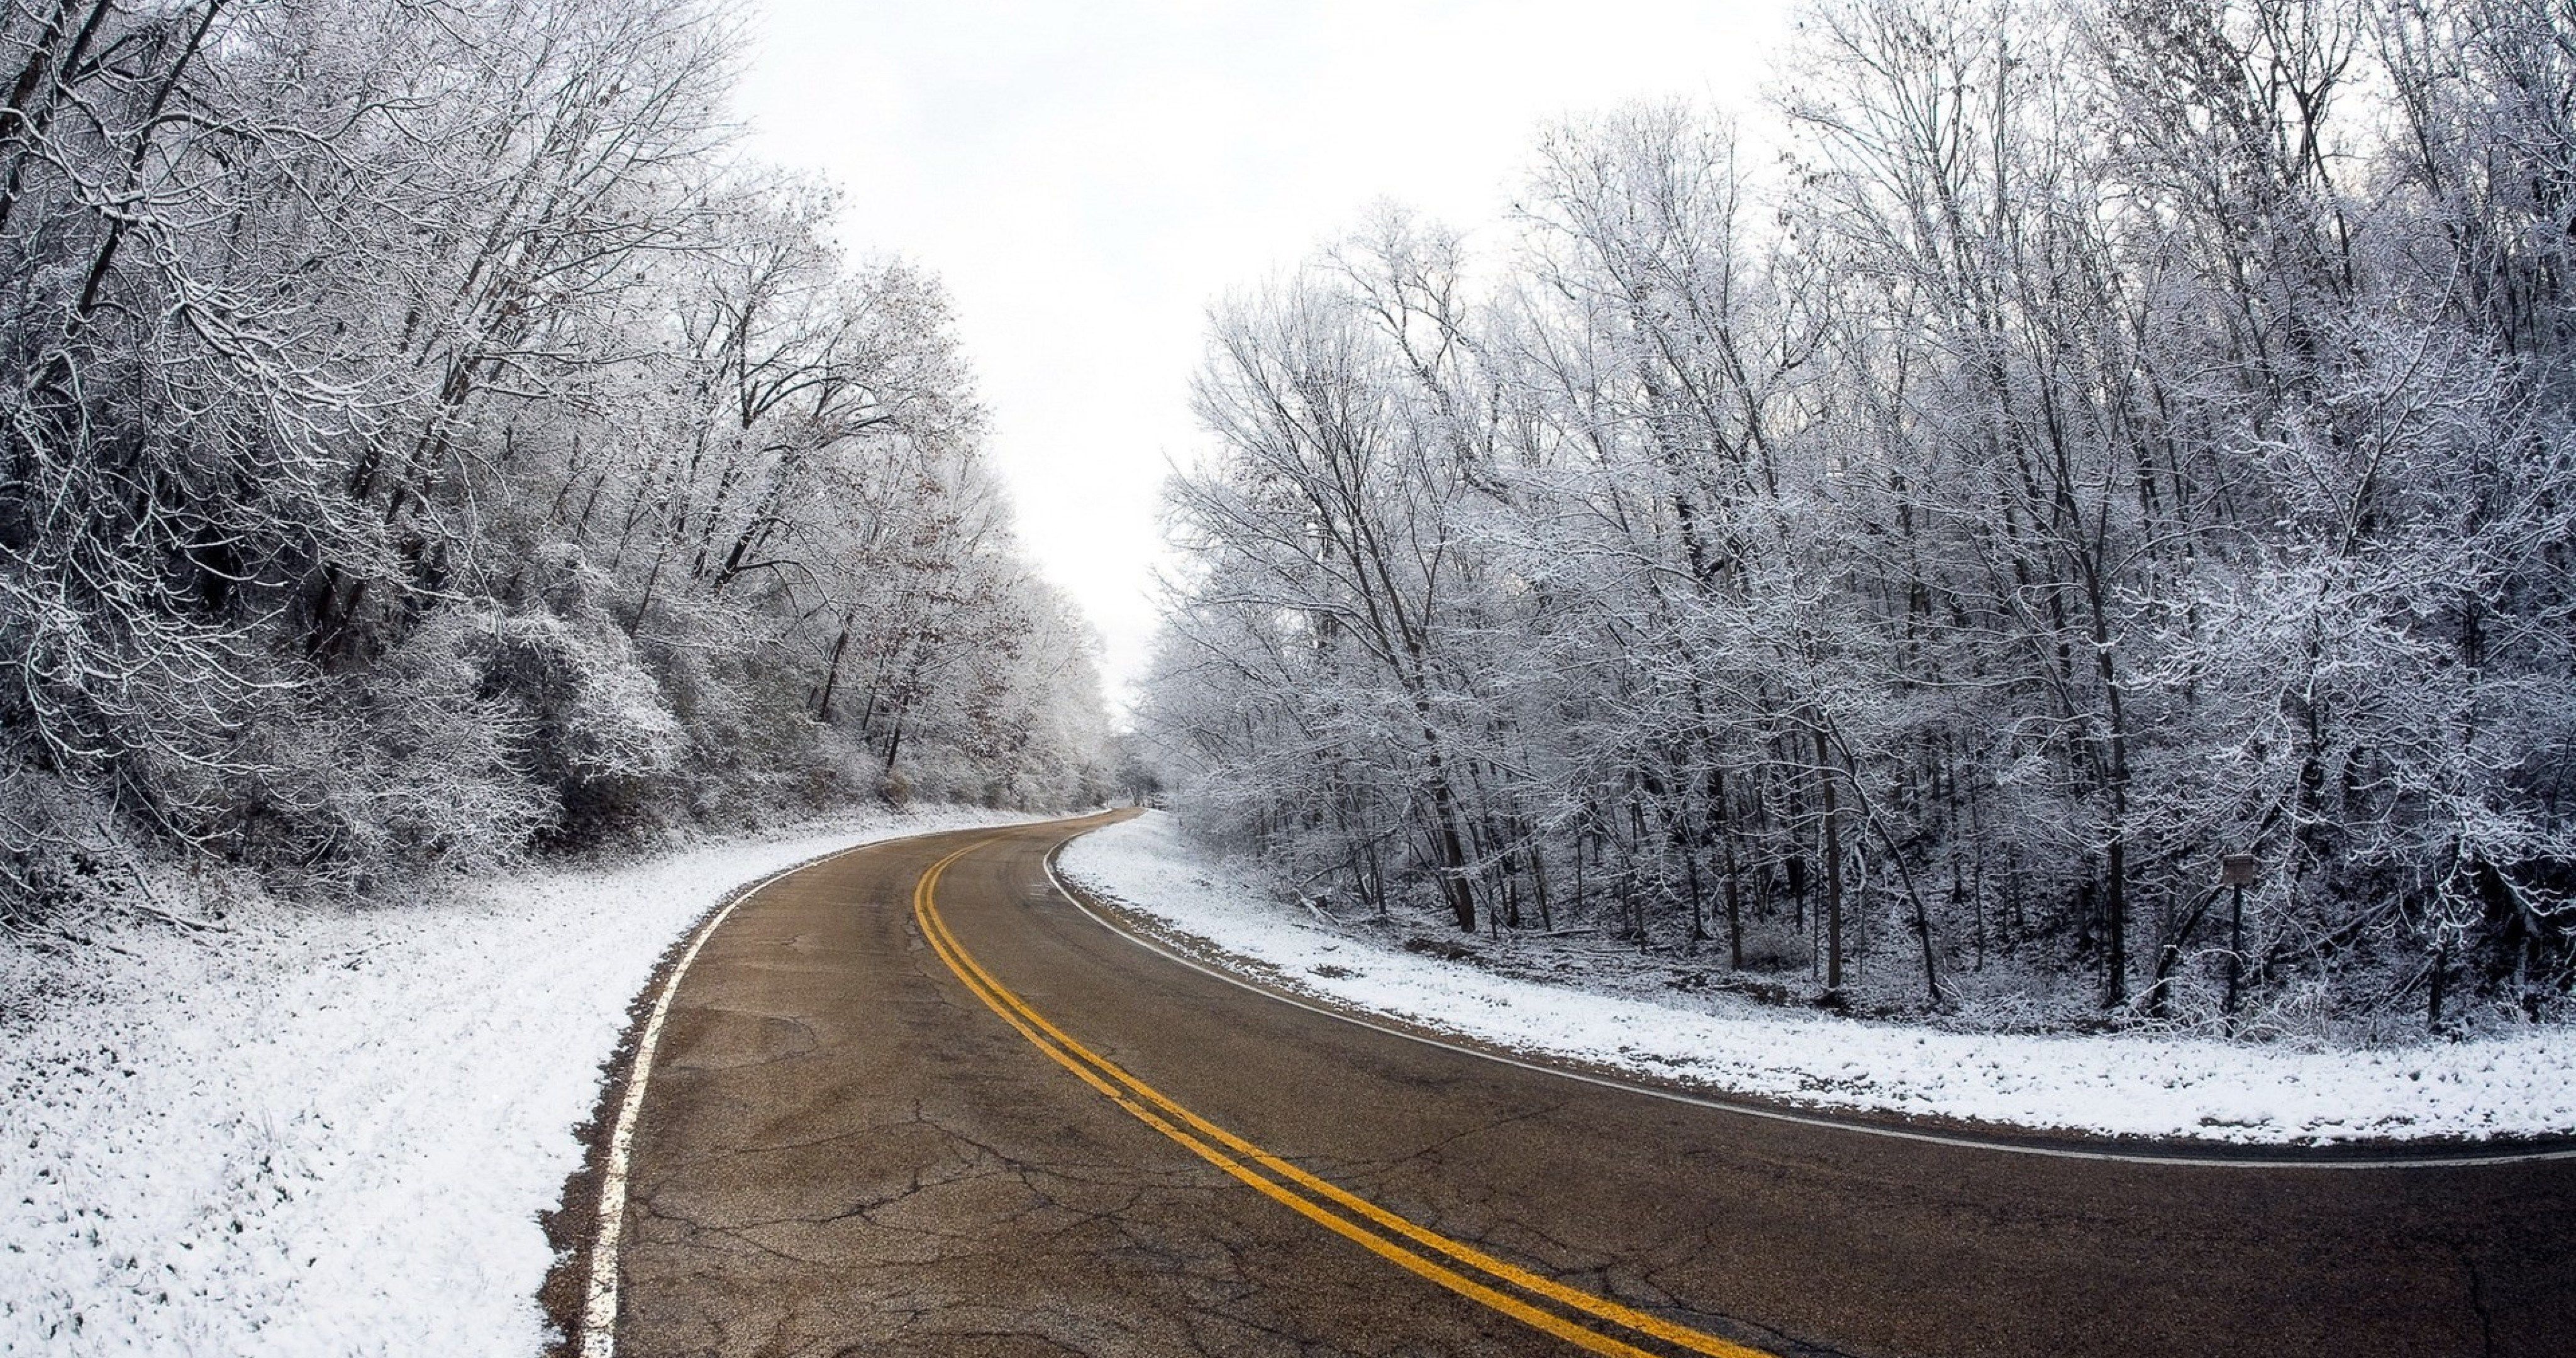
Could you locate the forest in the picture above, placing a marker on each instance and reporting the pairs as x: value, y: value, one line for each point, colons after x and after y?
x: 428, y: 436
x: 1906, y: 544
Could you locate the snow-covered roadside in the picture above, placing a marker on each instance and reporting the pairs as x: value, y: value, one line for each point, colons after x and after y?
x: 2134, y: 1084
x: 329, y: 1133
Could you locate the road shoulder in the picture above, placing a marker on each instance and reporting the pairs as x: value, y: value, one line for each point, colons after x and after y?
x: 2127, y: 1096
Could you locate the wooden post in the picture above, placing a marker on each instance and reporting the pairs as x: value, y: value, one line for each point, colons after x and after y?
x: 2236, y: 872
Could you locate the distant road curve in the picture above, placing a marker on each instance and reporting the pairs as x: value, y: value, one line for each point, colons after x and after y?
x: 916, y: 1099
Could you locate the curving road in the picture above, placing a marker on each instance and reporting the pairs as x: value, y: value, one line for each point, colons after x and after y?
x: 912, y: 1100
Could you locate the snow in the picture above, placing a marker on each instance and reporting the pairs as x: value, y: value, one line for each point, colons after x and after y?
x: 330, y: 1132
x: 2131, y: 1084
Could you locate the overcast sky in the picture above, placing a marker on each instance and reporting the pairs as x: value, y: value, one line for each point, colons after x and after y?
x: 1088, y: 177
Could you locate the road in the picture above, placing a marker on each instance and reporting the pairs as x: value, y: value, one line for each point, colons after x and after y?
x: 913, y: 1101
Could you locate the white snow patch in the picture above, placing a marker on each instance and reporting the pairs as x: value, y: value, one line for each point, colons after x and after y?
x: 330, y: 1132
x: 2122, y: 1084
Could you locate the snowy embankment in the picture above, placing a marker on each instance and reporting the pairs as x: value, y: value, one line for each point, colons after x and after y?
x: 330, y: 1132
x: 2128, y: 1084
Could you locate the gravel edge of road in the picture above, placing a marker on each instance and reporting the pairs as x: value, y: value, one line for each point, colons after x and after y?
x: 572, y: 1224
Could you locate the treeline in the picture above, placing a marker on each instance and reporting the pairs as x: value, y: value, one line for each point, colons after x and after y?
x: 2095, y: 441
x: 424, y: 434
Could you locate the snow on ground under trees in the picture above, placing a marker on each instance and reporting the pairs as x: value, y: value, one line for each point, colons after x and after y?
x: 330, y: 1132
x: 2135, y: 1084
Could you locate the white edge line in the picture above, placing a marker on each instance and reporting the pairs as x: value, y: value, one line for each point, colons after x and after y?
x: 599, y: 1306
x: 2218, y: 1160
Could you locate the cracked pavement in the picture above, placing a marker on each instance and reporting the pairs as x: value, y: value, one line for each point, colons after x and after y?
x: 842, y: 1151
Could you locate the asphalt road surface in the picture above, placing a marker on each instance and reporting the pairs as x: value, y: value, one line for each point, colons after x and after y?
x: 965, y: 1118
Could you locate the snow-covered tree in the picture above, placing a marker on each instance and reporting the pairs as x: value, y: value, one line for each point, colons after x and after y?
x: 423, y: 434
x: 2090, y: 443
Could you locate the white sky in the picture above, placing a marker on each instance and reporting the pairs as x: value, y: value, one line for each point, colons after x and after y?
x: 1088, y: 175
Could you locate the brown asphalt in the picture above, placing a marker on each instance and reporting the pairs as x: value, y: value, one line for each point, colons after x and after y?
x: 844, y: 1151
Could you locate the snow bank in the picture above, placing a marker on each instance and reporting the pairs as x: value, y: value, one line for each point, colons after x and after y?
x: 2130, y: 1084
x: 330, y: 1133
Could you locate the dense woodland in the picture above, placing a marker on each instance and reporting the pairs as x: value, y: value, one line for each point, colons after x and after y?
x: 424, y: 435
x: 1904, y: 552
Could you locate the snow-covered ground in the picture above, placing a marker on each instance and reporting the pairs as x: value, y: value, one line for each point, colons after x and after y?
x: 330, y: 1132
x: 2128, y: 1084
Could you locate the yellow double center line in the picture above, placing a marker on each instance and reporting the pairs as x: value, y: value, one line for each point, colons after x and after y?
x: 1395, y: 1238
